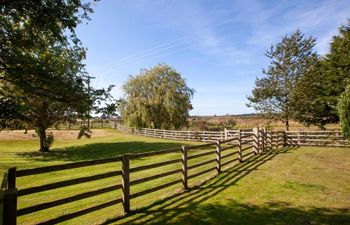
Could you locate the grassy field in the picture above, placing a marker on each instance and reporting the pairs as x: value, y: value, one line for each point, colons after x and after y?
x: 286, y: 186
x: 248, y: 122
x: 19, y: 149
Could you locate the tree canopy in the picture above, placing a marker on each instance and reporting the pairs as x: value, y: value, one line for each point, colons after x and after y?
x: 156, y: 98
x: 337, y: 66
x: 291, y: 59
x: 338, y: 62
x: 316, y: 95
x: 309, y: 98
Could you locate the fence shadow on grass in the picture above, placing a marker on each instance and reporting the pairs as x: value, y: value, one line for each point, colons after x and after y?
x: 186, y: 207
x: 97, y: 151
x: 232, y: 213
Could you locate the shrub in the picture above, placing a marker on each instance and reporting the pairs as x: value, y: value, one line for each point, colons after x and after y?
x: 344, y: 112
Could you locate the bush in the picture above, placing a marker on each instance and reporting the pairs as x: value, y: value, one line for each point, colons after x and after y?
x: 344, y: 112
x: 50, y: 139
x: 84, y: 132
x: 199, y: 125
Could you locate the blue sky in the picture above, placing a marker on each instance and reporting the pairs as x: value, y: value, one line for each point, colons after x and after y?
x: 217, y: 46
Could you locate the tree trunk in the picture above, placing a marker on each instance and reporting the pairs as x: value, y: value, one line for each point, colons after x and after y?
x: 44, y: 146
x: 287, y: 123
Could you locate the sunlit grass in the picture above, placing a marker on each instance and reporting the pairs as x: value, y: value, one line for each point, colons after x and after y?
x: 288, y: 186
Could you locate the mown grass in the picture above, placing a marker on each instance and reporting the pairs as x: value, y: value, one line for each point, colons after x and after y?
x: 24, y: 154
x: 285, y: 186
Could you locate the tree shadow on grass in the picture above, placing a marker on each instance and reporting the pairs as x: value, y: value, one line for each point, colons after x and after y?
x: 232, y: 213
x: 98, y: 151
x: 186, y: 208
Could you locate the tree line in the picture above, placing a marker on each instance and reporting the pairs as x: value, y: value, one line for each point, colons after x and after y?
x: 302, y: 85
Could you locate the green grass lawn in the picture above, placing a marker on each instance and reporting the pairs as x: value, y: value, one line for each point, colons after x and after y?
x: 285, y: 186
x: 24, y: 154
x: 288, y: 186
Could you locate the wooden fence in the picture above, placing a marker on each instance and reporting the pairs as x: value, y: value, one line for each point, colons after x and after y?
x: 209, y: 158
x: 317, y: 138
x: 3, y: 187
x: 298, y: 138
x: 180, y: 135
x: 222, y: 151
x: 93, y: 124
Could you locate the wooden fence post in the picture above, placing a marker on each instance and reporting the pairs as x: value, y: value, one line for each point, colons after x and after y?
x: 240, y: 146
x: 264, y: 139
x: 256, y: 140
x: 284, y: 138
x: 218, y: 157
x: 126, y: 183
x: 184, y: 167
x: 10, y: 199
x: 271, y: 140
x: 261, y: 140
x: 225, y: 131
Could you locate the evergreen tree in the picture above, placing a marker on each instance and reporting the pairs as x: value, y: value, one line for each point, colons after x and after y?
x: 290, y: 60
x: 310, y: 104
x: 316, y: 96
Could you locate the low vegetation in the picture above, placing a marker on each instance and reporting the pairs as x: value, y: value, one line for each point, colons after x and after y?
x: 248, y: 122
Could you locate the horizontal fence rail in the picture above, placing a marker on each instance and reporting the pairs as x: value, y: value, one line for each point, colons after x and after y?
x: 202, y: 136
x: 300, y: 138
x: 316, y: 138
x: 169, y: 168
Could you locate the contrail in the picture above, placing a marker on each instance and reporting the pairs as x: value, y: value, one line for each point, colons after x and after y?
x: 158, y: 51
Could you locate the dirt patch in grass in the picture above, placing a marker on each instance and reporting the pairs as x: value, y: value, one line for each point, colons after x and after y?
x: 58, y: 134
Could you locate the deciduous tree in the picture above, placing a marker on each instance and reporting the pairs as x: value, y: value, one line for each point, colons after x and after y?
x: 41, y: 69
x: 157, y: 98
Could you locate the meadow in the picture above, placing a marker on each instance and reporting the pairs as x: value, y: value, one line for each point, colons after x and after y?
x: 248, y: 122
x: 291, y: 185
